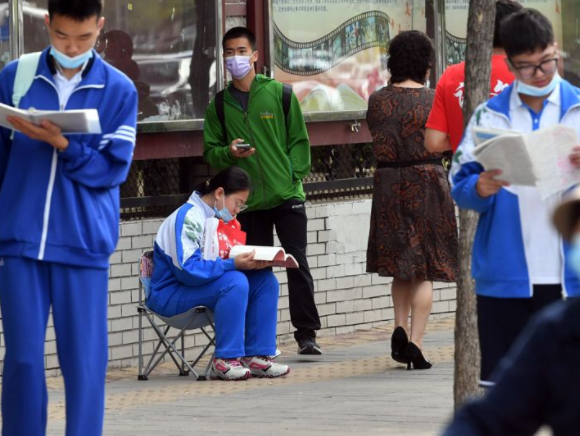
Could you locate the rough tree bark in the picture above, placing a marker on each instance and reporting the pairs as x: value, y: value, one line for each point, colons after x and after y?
x: 480, y: 27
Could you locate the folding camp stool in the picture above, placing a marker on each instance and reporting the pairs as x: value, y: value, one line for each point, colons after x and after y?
x: 199, y: 317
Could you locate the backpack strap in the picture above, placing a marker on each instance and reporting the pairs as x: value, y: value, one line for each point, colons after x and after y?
x: 286, y: 99
x: 25, y: 72
x: 220, y: 112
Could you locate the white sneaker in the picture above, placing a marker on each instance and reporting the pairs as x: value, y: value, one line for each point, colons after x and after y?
x: 264, y: 366
x: 229, y: 369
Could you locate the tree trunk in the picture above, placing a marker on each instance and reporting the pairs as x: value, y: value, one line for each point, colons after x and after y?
x: 480, y: 28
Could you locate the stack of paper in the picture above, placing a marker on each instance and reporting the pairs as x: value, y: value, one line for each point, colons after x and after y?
x: 540, y: 158
x: 70, y: 122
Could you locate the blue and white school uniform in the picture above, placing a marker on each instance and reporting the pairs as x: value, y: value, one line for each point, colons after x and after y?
x: 185, y: 275
x: 58, y: 227
x: 517, y: 252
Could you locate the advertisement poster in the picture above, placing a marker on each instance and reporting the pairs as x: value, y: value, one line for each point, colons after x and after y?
x: 334, y: 52
x: 456, y: 12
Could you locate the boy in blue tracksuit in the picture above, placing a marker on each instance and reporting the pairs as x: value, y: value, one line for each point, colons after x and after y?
x: 59, y: 206
x: 519, y: 260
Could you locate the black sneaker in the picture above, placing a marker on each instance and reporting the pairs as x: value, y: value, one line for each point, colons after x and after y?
x: 308, y: 346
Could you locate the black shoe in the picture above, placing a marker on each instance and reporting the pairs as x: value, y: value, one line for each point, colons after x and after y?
x: 308, y: 346
x: 399, y: 342
x: 415, y: 357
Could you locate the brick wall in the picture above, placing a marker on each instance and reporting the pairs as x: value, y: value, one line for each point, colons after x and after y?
x: 235, y: 8
x: 348, y: 298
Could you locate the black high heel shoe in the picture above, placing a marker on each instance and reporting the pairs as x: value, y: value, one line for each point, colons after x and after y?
x: 415, y: 357
x: 399, y: 342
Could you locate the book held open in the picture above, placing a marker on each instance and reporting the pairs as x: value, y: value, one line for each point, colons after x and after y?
x: 277, y: 255
x: 540, y: 158
x: 70, y: 122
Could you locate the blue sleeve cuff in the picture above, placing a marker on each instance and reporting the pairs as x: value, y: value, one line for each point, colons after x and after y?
x: 229, y: 265
x: 74, y: 150
x: 466, y: 196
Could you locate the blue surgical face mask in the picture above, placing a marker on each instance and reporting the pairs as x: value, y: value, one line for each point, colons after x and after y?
x: 68, y: 62
x: 534, y: 91
x: 223, y: 214
x: 574, y: 255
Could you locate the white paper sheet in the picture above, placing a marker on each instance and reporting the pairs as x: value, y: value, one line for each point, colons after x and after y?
x: 549, y: 150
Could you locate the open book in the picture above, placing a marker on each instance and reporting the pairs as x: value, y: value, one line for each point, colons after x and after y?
x: 540, y: 158
x: 70, y: 122
x: 276, y: 255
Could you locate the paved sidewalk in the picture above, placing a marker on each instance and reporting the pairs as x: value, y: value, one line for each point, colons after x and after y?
x: 353, y: 389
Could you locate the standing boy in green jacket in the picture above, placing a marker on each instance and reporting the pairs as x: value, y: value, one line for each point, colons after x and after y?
x: 277, y: 158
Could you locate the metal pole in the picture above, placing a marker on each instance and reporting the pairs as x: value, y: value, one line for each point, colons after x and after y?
x: 219, y: 62
x: 440, y: 36
x: 16, y: 41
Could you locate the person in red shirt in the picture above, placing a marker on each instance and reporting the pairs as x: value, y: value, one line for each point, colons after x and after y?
x: 445, y: 123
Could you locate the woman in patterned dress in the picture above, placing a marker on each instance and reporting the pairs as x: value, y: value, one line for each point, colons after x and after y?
x: 413, y: 232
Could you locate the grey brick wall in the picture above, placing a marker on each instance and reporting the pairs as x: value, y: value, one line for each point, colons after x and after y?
x: 348, y: 298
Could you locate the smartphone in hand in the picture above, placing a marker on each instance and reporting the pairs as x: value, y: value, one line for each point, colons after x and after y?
x: 243, y: 147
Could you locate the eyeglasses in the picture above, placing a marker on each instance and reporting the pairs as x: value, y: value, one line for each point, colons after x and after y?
x: 528, y: 71
x: 240, y: 205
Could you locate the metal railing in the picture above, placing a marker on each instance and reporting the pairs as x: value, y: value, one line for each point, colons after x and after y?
x: 155, y: 188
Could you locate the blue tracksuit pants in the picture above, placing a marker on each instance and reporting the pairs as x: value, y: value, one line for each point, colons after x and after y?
x: 78, y: 296
x: 245, y: 306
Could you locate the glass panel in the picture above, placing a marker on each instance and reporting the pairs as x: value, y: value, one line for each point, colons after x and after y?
x: 4, y: 33
x: 334, y: 52
x: 570, y: 13
x: 156, y: 43
x: 456, y: 12
x: 564, y: 15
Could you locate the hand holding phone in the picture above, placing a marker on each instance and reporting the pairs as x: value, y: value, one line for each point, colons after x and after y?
x: 239, y: 149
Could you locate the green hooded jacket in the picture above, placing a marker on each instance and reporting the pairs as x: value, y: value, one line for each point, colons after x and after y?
x: 282, y: 157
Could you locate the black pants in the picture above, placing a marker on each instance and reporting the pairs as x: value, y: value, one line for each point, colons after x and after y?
x: 501, y: 320
x: 291, y: 226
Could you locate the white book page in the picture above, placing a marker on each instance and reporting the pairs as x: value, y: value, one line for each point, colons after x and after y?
x: 70, y: 122
x: 482, y: 134
x: 509, y: 154
x: 550, y: 149
x: 9, y: 111
x: 262, y: 252
x: 276, y: 255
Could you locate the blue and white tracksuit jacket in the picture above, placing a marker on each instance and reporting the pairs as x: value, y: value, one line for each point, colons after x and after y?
x: 187, y: 273
x: 59, y: 221
x: 179, y: 255
x: 499, y: 264
x: 64, y: 206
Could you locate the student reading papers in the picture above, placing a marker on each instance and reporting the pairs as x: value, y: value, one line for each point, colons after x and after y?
x: 540, y: 158
x: 519, y: 260
x: 192, y: 269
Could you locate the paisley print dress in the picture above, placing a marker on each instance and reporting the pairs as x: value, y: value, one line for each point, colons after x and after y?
x: 413, y: 232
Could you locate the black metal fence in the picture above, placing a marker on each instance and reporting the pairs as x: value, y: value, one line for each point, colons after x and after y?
x: 155, y: 188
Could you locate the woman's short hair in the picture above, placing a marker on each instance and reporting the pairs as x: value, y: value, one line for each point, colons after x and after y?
x: 411, y: 55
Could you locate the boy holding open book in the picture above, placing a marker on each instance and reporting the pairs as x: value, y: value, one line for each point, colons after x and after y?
x: 518, y: 257
x: 59, y: 222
